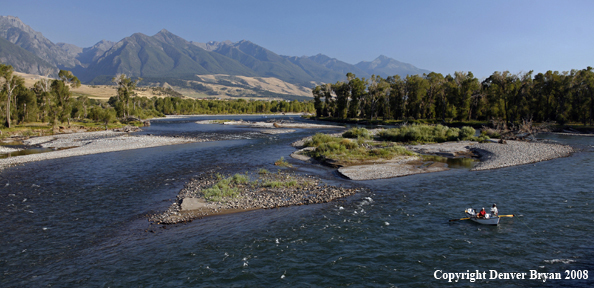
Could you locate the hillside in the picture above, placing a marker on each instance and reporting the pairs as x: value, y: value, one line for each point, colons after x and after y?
x: 212, y: 69
x: 213, y: 87
x: 23, y: 60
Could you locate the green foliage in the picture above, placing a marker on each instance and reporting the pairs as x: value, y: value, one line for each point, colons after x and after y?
x: 240, y: 179
x: 282, y: 162
x: 460, y: 97
x: 492, y: 133
x: 277, y: 184
x: 225, y: 187
x: 357, y: 133
x: 427, y: 134
x: 318, y: 139
x: 353, y: 150
x: 263, y: 171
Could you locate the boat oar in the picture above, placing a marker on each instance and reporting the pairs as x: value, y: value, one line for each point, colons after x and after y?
x: 507, y: 215
x: 459, y: 219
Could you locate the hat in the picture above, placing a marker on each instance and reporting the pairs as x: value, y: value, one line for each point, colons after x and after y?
x: 494, y: 205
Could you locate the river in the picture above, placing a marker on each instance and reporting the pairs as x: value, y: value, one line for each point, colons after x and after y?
x: 81, y: 221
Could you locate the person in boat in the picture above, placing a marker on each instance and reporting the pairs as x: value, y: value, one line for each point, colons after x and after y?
x: 481, y: 214
x: 494, y: 211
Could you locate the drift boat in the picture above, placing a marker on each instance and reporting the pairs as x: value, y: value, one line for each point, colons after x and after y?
x: 488, y: 220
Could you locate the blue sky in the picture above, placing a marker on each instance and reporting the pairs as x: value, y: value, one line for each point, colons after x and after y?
x: 441, y: 36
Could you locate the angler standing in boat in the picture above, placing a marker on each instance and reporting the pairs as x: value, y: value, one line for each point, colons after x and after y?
x: 494, y: 211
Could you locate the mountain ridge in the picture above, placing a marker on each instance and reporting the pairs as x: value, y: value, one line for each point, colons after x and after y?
x: 165, y: 54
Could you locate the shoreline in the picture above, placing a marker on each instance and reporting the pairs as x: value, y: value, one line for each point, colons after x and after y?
x: 87, y: 143
x: 219, y: 115
x: 191, y: 203
x: 491, y: 156
x: 514, y: 153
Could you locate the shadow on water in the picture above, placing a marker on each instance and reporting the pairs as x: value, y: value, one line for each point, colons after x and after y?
x: 463, y: 163
x: 28, y: 151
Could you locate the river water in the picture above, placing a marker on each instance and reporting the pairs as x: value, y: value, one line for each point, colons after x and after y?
x: 81, y: 221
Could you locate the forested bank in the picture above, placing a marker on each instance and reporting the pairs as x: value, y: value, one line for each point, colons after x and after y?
x: 51, y: 101
x: 553, y: 96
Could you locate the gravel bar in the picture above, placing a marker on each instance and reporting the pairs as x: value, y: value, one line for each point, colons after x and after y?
x: 191, y: 203
x: 91, y: 143
x: 494, y: 155
x: 4, y: 150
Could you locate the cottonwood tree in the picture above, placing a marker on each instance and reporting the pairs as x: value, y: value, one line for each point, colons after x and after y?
x: 342, y: 92
x: 43, y: 88
x: 357, y: 91
x: 10, y: 82
x: 126, y: 87
x: 61, y: 104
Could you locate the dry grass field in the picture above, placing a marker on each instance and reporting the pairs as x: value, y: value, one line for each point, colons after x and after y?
x: 239, y: 87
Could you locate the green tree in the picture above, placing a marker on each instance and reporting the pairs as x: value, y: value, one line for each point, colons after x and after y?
x: 357, y: 87
x: 126, y: 88
x: 10, y: 83
x: 397, y: 96
x: 342, y: 92
x: 416, y: 89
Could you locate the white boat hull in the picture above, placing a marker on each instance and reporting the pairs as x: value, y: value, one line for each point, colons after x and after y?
x: 488, y: 220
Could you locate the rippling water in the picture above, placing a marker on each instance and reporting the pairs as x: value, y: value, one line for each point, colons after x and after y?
x: 80, y: 221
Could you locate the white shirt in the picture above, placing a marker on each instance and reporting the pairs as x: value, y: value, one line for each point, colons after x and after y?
x: 494, y: 211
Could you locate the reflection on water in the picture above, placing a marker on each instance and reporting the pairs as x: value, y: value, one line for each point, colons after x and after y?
x: 466, y: 163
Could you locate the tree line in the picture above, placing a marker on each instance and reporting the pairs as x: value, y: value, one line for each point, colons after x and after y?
x: 51, y: 101
x: 553, y: 96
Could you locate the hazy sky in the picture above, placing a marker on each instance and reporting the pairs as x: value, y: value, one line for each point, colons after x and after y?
x: 441, y: 36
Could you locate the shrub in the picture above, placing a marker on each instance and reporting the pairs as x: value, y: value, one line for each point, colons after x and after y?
x: 318, y: 139
x: 426, y: 134
x: 240, y: 179
x: 357, y: 133
x: 263, y: 171
x: 282, y: 162
x: 276, y: 184
x: 467, y: 132
x: 348, y: 144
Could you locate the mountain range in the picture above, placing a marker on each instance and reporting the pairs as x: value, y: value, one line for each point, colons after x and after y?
x: 168, y: 56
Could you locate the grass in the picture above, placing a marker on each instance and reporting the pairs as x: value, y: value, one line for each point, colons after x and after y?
x: 278, y: 184
x: 31, y: 129
x: 357, y: 133
x: 227, y: 187
x: 350, y: 150
x: 282, y: 162
x: 420, y: 133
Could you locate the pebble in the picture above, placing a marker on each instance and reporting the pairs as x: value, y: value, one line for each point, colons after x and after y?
x: 91, y: 143
x: 308, y: 191
x: 494, y: 155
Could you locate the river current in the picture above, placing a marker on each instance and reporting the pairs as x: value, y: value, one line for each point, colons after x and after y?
x: 81, y: 221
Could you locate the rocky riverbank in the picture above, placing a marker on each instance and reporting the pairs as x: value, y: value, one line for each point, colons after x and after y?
x: 398, y: 167
x: 495, y: 155
x: 491, y: 156
x: 269, y: 190
x: 4, y: 150
x: 78, y: 144
x: 271, y: 124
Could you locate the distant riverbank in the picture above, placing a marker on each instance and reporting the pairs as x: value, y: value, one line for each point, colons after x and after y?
x: 78, y: 144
